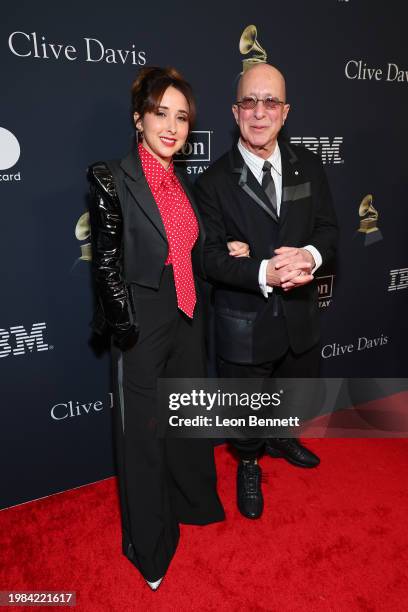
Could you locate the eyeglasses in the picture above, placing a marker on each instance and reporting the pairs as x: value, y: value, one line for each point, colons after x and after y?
x: 249, y: 102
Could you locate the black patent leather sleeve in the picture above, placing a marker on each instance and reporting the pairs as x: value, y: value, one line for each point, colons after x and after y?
x: 107, y: 255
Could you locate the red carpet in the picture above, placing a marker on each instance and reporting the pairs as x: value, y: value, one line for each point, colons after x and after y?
x: 332, y: 539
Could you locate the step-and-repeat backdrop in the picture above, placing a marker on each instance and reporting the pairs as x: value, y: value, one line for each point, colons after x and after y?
x: 66, y: 70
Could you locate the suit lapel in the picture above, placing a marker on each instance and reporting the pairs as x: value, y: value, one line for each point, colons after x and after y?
x: 248, y: 183
x: 292, y: 178
x: 139, y: 188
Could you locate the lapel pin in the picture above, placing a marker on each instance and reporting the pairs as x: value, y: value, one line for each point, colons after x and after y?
x: 296, y: 172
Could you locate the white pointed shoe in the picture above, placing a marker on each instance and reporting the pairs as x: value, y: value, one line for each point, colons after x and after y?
x: 154, y: 585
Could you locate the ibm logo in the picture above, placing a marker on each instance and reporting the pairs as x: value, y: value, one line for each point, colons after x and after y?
x: 398, y: 279
x: 196, y: 149
x: 321, y: 145
x: 22, y: 340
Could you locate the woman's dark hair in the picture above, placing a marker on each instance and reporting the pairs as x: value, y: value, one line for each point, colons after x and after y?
x: 151, y: 83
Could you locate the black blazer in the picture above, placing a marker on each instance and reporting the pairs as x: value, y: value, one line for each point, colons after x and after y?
x: 233, y: 204
x: 129, y: 243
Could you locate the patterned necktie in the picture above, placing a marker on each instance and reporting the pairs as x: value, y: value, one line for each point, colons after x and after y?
x: 182, y: 232
x: 269, y: 186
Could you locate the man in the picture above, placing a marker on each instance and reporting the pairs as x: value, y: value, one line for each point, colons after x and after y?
x: 276, y: 198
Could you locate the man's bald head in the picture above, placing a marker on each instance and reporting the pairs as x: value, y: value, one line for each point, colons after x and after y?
x: 262, y: 73
x: 260, y: 123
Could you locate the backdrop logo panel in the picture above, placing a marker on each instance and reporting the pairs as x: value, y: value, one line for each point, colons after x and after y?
x: 362, y: 343
x: 398, y: 279
x: 9, y: 155
x: 361, y: 71
x: 37, y: 46
x: 17, y: 341
x: 328, y: 148
x: 196, y: 150
x: 368, y: 221
x: 325, y: 290
x: 42, y: 55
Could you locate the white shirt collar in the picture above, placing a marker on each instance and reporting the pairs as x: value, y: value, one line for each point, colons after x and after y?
x: 254, y: 161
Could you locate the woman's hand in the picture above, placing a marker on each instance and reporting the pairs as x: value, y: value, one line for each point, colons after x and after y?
x: 238, y: 249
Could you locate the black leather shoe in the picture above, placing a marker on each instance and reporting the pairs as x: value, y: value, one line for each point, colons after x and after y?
x: 291, y: 450
x: 249, y: 492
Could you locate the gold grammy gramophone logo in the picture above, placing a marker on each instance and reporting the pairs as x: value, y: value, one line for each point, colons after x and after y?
x: 368, y: 220
x: 249, y: 45
x: 368, y: 214
x: 82, y: 233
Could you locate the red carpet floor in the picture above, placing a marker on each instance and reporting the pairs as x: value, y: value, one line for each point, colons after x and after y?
x: 331, y: 539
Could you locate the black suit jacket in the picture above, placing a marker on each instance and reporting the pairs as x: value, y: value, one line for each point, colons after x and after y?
x: 129, y: 243
x: 234, y: 205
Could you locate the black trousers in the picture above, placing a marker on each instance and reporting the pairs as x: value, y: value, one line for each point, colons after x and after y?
x: 290, y: 365
x: 162, y: 481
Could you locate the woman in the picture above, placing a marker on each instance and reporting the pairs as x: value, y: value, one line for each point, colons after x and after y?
x: 147, y: 238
